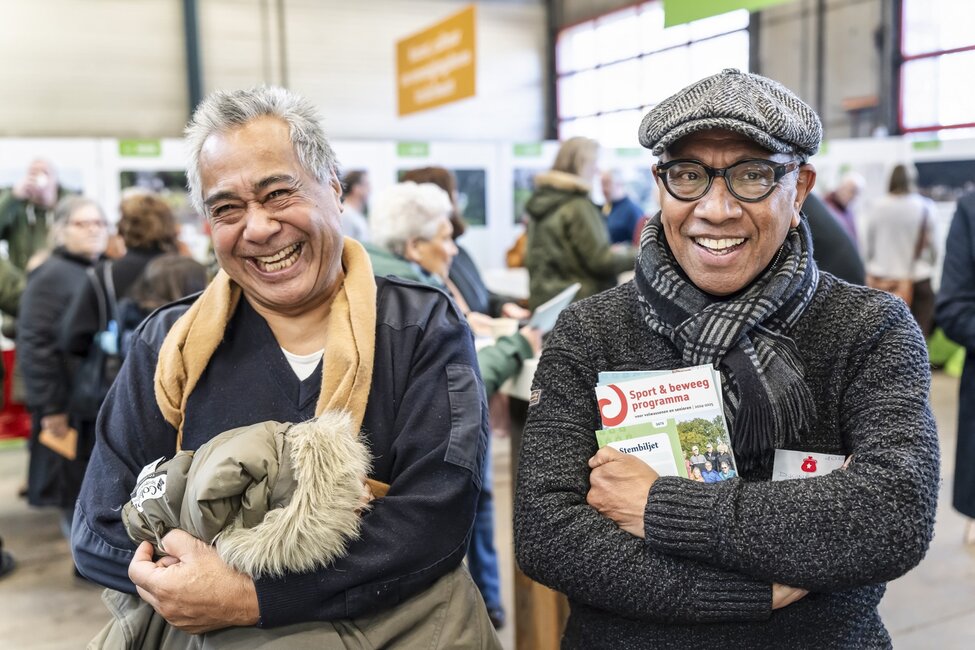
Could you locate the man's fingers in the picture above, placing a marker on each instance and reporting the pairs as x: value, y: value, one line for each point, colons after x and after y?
x: 604, y: 455
x: 141, y: 566
x: 179, y: 542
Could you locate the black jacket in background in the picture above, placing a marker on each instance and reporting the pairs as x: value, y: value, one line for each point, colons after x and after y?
x: 81, y: 319
x: 833, y: 249
x: 467, y: 279
x: 52, y: 480
x: 44, y: 367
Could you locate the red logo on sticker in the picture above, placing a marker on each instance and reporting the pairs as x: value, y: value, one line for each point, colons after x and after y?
x: 613, y: 420
x: 809, y: 465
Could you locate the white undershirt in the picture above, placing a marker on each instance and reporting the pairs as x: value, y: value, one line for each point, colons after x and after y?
x: 303, y: 364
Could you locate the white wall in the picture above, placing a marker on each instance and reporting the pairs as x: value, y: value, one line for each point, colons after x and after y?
x: 117, y: 67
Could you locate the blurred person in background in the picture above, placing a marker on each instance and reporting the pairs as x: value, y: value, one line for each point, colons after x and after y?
x: 899, y: 246
x: 412, y: 224
x: 412, y: 234
x: 148, y: 228
x: 82, y: 233
x: 567, y: 238
x: 166, y: 279
x: 464, y: 274
x: 27, y: 212
x: 833, y: 249
x: 355, y: 204
x: 841, y: 201
x: 955, y: 313
x: 622, y: 213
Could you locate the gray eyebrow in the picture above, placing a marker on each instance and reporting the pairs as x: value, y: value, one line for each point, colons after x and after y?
x: 259, y: 185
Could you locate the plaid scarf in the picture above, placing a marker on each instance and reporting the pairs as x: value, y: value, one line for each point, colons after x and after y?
x: 746, y: 337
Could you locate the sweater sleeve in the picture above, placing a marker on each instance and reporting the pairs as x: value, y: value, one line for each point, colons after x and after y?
x: 419, y: 531
x: 955, y: 308
x: 564, y: 543
x: 869, y: 523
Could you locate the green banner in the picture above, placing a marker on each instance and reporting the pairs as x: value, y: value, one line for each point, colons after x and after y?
x: 140, y: 148
x: 630, y: 152
x: 678, y: 12
x: 926, y: 145
x: 528, y: 149
x: 412, y: 149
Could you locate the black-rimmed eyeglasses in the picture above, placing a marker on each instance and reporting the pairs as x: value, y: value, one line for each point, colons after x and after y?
x: 748, y: 180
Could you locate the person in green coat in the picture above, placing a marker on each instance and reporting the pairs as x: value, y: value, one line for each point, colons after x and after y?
x: 27, y: 212
x: 567, y: 238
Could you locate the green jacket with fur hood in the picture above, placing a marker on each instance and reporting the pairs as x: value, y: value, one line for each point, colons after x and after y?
x: 568, y: 241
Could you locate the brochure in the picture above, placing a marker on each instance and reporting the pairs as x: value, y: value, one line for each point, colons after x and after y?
x: 545, y: 315
x: 673, y: 420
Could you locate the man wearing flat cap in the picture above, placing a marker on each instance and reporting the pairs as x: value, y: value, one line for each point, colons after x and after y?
x: 809, y: 364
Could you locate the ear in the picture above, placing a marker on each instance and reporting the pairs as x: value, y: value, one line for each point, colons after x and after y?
x: 410, y: 251
x: 805, y: 181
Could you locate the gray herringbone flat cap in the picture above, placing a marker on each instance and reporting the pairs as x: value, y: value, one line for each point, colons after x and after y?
x: 754, y: 106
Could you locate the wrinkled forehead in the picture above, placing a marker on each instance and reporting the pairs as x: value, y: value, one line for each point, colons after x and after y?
x: 693, y: 144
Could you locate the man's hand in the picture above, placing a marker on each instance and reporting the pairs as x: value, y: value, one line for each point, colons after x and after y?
x: 783, y: 595
x: 619, y: 487
x: 193, y: 589
x: 56, y: 423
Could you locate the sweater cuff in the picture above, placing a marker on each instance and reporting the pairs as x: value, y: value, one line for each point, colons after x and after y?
x: 680, y: 518
x: 737, y: 599
x: 286, y: 600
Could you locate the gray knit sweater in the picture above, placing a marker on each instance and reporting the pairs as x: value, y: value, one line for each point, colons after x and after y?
x: 703, y: 575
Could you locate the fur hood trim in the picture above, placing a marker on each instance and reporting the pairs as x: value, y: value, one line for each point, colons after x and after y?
x: 329, y: 462
x: 563, y: 181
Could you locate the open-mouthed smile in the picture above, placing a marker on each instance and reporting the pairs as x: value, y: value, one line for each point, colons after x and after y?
x: 720, y: 246
x: 281, y: 260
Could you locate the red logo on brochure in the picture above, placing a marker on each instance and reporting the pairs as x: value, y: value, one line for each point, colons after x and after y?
x: 608, y: 420
x: 809, y: 465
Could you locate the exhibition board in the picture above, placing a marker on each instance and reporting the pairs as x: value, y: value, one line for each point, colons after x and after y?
x: 495, y: 178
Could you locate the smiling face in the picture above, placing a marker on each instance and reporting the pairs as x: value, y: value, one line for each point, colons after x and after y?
x: 275, y: 227
x: 721, y: 243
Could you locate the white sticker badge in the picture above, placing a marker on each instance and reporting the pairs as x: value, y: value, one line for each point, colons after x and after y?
x: 790, y: 464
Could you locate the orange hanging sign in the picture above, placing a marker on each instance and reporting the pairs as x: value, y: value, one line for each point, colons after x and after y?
x: 438, y: 65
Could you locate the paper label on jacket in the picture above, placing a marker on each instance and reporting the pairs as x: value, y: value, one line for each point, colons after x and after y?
x: 149, y: 485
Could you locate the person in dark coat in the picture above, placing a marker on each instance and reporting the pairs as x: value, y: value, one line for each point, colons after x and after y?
x: 80, y: 225
x: 833, y: 249
x: 955, y: 313
x: 148, y: 229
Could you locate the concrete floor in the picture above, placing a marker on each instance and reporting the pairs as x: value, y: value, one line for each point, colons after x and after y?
x: 43, y: 606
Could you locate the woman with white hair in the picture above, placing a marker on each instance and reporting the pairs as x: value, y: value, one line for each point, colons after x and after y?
x: 412, y: 234
x: 412, y: 237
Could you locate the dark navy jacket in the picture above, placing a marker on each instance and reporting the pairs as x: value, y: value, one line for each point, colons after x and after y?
x: 426, y: 424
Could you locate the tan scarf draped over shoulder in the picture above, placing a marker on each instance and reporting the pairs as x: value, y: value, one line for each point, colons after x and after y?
x: 349, y: 350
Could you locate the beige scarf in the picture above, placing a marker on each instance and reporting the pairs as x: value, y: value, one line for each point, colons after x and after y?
x: 347, y: 366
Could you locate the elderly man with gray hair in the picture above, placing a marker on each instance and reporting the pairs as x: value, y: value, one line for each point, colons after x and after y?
x: 294, y: 326
x: 809, y: 364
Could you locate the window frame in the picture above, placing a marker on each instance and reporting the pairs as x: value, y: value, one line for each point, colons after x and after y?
x: 638, y: 9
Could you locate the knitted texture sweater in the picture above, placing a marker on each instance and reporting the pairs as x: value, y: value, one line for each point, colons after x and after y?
x: 712, y: 551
